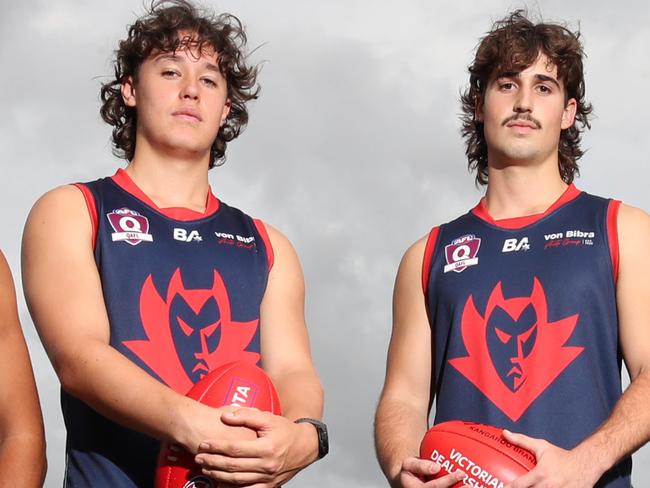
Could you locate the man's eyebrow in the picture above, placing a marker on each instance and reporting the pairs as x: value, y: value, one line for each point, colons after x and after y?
x: 180, y: 59
x: 538, y: 77
x: 548, y: 78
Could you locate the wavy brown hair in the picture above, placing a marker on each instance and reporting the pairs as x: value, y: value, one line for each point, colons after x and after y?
x: 158, y: 31
x: 513, y: 44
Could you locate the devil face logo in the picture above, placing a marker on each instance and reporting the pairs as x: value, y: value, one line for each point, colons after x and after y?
x: 510, y: 340
x: 190, y: 332
x: 514, y: 352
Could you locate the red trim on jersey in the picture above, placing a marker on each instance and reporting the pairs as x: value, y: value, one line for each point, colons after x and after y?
x: 261, y: 228
x: 518, y: 222
x: 92, y: 209
x: 428, y: 256
x: 124, y: 181
x: 612, y: 234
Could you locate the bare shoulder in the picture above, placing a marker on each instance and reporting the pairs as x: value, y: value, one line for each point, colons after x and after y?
x: 61, y: 212
x: 7, y: 294
x: 632, y: 220
x: 66, y: 197
x: 415, y: 252
x: 279, y: 241
x: 6, y: 280
x: 410, y: 267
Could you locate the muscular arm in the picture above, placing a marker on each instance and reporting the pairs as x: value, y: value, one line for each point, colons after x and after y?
x: 401, y: 418
x: 628, y: 426
x: 22, y: 442
x: 283, y: 447
x: 64, y: 295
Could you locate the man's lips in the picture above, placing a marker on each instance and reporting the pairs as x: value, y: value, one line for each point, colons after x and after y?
x: 191, y: 115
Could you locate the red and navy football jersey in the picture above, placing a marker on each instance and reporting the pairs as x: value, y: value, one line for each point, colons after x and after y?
x: 524, y: 321
x: 183, y: 293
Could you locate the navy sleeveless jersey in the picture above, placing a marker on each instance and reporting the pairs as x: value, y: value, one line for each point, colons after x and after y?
x: 183, y: 293
x: 524, y: 321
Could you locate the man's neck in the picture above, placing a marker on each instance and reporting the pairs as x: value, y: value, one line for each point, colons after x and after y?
x: 171, y: 182
x: 520, y: 191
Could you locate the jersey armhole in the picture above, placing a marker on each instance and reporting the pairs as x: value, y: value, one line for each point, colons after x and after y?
x: 92, y: 209
x: 261, y: 229
x: 612, y: 234
x: 428, y: 256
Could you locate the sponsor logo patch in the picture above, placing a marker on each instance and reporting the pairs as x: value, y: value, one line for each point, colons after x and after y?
x: 571, y: 237
x: 461, y: 253
x: 181, y: 234
x: 510, y: 245
x: 246, y: 242
x: 241, y: 393
x: 129, y: 226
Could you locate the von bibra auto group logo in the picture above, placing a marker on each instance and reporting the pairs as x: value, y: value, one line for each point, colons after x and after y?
x: 129, y: 226
x: 461, y: 253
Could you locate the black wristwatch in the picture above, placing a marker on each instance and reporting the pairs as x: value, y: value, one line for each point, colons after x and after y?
x: 321, y: 430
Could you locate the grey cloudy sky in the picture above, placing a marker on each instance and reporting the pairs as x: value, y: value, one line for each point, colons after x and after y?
x: 352, y: 151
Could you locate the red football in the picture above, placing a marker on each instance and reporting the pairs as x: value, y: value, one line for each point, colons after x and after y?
x: 479, y: 450
x: 239, y: 384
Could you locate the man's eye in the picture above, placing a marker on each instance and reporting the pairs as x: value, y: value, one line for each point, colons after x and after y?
x: 209, y: 82
x: 168, y: 73
x: 506, y: 86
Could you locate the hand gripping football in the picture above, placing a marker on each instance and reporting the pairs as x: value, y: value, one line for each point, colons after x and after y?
x: 479, y: 450
x: 240, y: 384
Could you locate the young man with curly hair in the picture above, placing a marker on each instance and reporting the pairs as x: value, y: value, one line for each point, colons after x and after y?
x: 520, y: 312
x: 158, y: 282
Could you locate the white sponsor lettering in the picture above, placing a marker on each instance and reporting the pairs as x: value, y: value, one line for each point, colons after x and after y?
x: 183, y: 235
x: 510, y: 245
x: 240, y: 396
x: 475, y: 475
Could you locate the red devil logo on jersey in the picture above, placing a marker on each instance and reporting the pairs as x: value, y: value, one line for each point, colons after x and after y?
x: 514, y: 352
x: 190, y: 332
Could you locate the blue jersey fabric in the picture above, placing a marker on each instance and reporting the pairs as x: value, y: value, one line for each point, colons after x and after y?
x: 524, y: 323
x: 183, y: 297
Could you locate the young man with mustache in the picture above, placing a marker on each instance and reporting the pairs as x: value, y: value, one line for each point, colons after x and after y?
x: 519, y: 313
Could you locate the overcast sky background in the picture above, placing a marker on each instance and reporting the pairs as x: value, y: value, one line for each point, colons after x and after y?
x: 353, y: 151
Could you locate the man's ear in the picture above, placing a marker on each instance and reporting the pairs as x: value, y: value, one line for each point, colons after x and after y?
x: 569, y: 114
x: 225, y: 112
x: 128, y: 91
x: 478, y: 111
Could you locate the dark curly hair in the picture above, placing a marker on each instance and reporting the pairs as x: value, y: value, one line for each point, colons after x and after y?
x: 158, y: 30
x: 513, y: 44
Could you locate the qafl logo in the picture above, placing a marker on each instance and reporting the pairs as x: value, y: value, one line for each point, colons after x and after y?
x: 462, y: 253
x: 190, y: 332
x: 509, y: 346
x: 129, y: 226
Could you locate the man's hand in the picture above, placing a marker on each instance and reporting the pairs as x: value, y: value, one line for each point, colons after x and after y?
x: 280, y: 450
x: 414, y: 470
x: 556, y: 467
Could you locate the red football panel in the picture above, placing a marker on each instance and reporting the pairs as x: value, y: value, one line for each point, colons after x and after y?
x: 478, y: 450
x: 491, y: 436
x: 239, y: 384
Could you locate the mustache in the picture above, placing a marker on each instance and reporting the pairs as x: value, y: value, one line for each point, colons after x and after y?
x: 527, y: 117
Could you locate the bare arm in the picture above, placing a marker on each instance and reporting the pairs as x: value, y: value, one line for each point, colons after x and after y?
x: 283, y: 447
x: 64, y: 295
x: 628, y: 426
x: 22, y: 441
x: 402, y: 414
